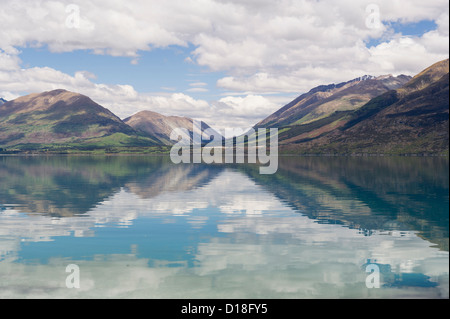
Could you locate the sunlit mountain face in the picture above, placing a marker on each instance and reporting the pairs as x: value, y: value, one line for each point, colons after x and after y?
x: 150, y: 228
x: 349, y: 198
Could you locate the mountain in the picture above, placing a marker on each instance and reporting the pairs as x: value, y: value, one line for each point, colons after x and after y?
x: 61, y: 118
x: 411, y: 119
x: 2, y: 101
x: 322, y: 101
x: 160, y: 127
x: 45, y: 185
x: 387, y: 114
x: 392, y: 197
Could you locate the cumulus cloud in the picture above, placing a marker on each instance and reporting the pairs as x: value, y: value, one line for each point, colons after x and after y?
x: 197, y: 90
x: 124, y: 100
x: 257, y: 235
x: 395, y: 55
x: 261, y: 46
x: 243, y: 111
x: 229, y: 35
x: 9, y: 59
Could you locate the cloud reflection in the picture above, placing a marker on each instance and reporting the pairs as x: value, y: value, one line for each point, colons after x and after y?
x: 254, y: 245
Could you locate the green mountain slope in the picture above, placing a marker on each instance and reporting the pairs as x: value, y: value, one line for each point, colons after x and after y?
x: 60, y: 118
x: 410, y: 119
x: 160, y: 127
x: 325, y: 100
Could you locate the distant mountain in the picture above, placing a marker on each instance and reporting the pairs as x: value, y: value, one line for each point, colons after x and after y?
x: 2, y: 101
x: 45, y: 185
x: 160, y: 127
x: 411, y: 119
x: 387, y: 114
x: 322, y: 101
x: 63, y: 118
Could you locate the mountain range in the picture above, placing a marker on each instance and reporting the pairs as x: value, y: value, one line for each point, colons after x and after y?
x: 410, y: 116
x: 63, y: 120
x: 324, y: 100
x: 377, y: 115
x: 160, y: 127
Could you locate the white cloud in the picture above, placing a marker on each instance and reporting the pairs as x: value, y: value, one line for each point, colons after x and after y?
x: 403, y: 54
x: 262, y: 46
x: 244, y: 106
x: 229, y: 35
x: 324, y: 259
x: 197, y: 90
x: 9, y: 60
x: 198, y: 84
x: 124, y: 100
x: 241, y: 111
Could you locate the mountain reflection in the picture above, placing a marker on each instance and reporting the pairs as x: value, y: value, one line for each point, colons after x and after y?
x: 69, y: 186
x: 152, y: 229
x: 368, y: 194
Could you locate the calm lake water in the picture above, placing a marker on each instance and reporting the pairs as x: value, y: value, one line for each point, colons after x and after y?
x: 142, y: 227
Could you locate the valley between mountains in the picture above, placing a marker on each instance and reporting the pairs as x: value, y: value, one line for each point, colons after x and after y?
x: 393, y: 115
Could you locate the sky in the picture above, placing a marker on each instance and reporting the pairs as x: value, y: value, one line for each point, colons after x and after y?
x: 229, y: 63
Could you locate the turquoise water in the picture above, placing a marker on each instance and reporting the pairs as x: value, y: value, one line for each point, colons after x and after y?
x: 142, y: 227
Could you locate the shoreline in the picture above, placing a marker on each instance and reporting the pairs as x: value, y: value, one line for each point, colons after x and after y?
x: 161, y: 154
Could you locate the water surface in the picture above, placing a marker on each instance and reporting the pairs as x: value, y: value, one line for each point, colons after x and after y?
x: 142, y: 227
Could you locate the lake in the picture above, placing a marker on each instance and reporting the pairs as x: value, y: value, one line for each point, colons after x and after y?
x: 142, y: 227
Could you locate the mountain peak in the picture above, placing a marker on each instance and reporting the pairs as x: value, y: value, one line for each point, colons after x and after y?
x: 146, y: 114
x: 324, y: 100
x: 58, y: 95
x: 161, y: 126
x: 57, y: 117
x: 45, y: 101
x: 412, y: 118
x: 384, y: 77
x: 364, y: 78
x: 428, y: 76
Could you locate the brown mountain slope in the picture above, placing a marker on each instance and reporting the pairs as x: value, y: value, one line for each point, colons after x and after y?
x: 59, y: 117
x: 324, y: 100
x: 160, y: 126
x: 411, y: 119
x: 428, y: 76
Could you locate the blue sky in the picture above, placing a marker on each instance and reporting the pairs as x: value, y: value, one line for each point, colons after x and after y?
x: 164, y: 70
x: 159, y: 70
x: 229, y: 63
x: 412, y: 29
